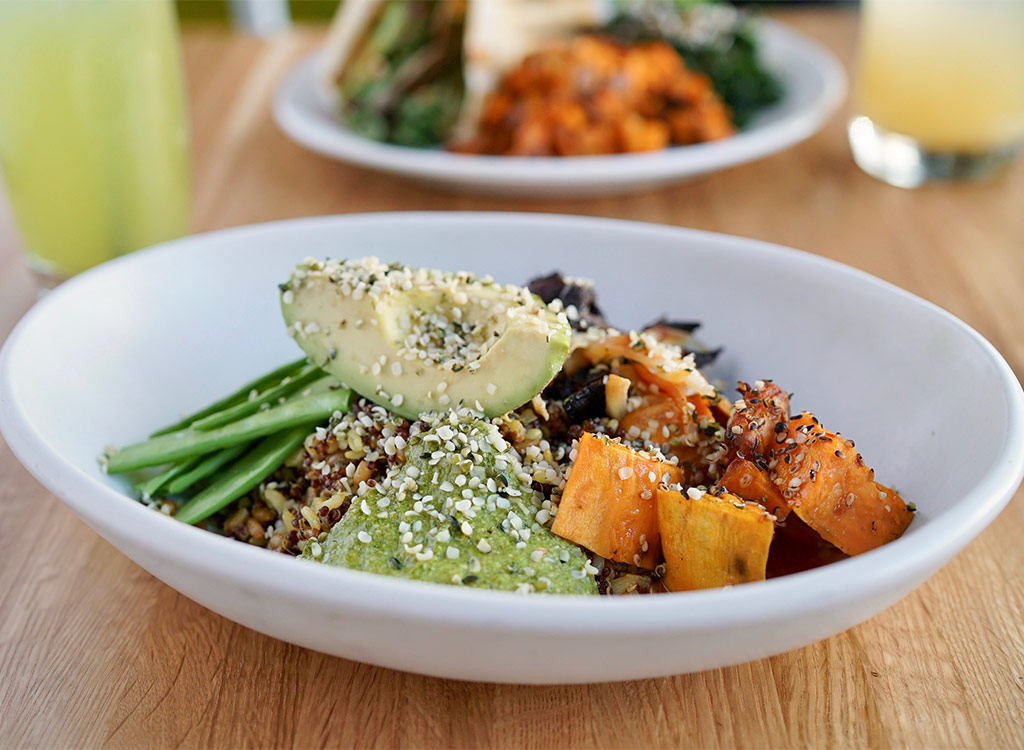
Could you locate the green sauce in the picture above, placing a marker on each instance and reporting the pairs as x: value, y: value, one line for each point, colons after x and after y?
x: 458, y: 510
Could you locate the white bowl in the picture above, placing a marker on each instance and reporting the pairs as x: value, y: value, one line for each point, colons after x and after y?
x: 135, y: 343
x: 814, y: 87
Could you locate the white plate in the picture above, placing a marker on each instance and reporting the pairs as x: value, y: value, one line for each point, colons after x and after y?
x: 135, y: 343
x: 814, y: 86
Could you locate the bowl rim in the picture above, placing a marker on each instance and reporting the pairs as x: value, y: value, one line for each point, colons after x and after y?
x: 752, y: 143
x: 915, y: 556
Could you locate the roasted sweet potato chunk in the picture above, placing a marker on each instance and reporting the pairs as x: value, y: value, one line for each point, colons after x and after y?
x: 712, y: 539
x: 758, y: 423
x: 591, y: 95
x: 609, y: 502
x: 664, y: 422
x: 826, y: 483
x: 651, y: 421
x: 749, y: 481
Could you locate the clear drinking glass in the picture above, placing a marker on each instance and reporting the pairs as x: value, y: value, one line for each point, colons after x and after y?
x: 93, y: 134
x: 940, y: 89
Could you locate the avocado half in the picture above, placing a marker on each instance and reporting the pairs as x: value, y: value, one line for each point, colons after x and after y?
x: 418, y: 340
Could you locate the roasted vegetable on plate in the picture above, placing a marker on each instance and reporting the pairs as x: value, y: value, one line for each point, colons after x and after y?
x: 543, y: 77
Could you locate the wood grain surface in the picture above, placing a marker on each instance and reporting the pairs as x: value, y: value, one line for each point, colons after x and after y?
x: 96, y: 652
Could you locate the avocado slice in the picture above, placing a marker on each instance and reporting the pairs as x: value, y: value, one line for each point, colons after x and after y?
x: 418, y: 340
x: 460, y: 510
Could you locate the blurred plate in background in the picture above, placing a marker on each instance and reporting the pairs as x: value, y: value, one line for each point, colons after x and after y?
x: 814, y: 83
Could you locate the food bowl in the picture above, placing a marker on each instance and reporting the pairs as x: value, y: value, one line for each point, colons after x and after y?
x: 141, y: 340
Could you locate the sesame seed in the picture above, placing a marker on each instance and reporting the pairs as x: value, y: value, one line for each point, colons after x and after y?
x: 364, y: 537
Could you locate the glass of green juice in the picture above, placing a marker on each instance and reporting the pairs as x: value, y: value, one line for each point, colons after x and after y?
x: 93, y: 132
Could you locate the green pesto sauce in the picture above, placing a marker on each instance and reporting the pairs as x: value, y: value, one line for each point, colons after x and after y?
x: 376, y: 541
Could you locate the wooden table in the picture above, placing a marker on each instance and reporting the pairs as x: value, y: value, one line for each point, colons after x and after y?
x: 94, y: 651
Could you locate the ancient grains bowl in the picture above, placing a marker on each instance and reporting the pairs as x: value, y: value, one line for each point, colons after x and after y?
x: 140, y: 340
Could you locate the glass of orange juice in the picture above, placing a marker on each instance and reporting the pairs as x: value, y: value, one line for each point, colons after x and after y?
x: 93, y: 135
x: 940, y: 89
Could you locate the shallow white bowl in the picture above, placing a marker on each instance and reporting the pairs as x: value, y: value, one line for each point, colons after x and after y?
x: 135, y: 343
x: 814, y: 86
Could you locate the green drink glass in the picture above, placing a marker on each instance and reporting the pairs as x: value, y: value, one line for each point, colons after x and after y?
x: 93, y: 132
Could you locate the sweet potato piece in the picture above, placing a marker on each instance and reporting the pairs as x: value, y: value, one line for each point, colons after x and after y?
x: 676, y: 391
x: 826, y: 483
x: 650, y: 419
x: 757, y: 428
x: 712, y: 539
x: 608, y: 504
x: 637, y: 133
x: 650, y: 422
x: 749, y: 481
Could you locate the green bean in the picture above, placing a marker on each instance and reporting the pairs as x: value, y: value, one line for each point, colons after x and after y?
x: 205, y: 467
x: 237, y: 397
x: 242, y: 476
x: 316, y: 407
x: 290, y: 384
x: 153, y: 485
